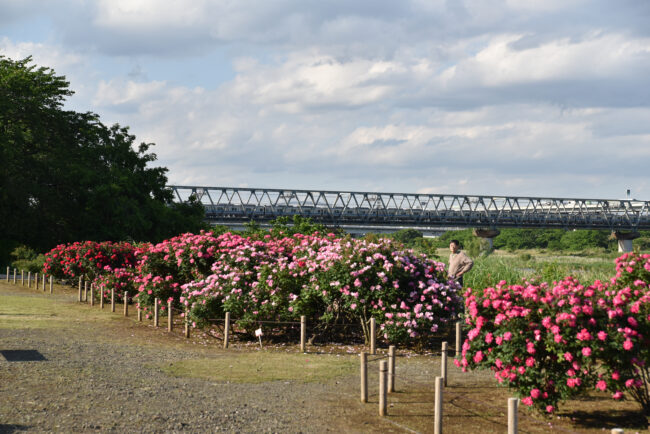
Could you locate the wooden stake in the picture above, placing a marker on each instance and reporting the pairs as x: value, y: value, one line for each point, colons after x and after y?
x: 373, y: 337
x: 43, y: 282
x: 92, y: 294
x: 22, y: 277
x: 36, y: 281
x: 513, y: 403
x: 363, y: 357
x: 101, y: 297
x: 126, y: 303
x: 303, y: 333
x: 7, y: 274
x: 226, y: 330
x: 437, y: 422
x: 443, y: 364
x: 391, y: 369
x: 80, y: 297
x: 383, y: 369
x: 155, y: 312
x: 139, y: 313
x: 14, y: 276
x: 458, y: 339
x: 170, y: 316
x: 112, y: 299
x: 51, y: 285
x: 29, y: 279
x: 187, y: 323
x: 85, y: 290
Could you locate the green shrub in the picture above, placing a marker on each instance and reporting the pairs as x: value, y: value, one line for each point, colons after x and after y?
x: 27, y: 259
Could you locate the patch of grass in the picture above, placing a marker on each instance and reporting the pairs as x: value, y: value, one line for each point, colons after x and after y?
x: 262, y: 366
x: 31, y: 310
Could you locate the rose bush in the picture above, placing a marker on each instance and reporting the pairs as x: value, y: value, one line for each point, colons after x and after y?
x: 330, y: 281
x: 552, y: 342
x: 88, y: 259
x: 333, y: 281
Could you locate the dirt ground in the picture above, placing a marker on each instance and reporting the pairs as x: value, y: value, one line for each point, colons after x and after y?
x: 74, y: 368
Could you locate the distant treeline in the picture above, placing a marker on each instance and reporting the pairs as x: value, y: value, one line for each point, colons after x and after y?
x: 521, y: 239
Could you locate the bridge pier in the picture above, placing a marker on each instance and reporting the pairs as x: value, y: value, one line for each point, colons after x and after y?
x: 488, y: 235
x: 625, y: 240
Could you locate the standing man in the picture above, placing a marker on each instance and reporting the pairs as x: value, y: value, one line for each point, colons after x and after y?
x: 459, y: 262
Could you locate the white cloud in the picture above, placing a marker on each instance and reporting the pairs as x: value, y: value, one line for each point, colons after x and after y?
x: 597, y: 56
x: 509, y: 97
x: 42, y: 53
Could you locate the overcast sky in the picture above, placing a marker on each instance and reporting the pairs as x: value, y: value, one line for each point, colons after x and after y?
x: 510, y: 97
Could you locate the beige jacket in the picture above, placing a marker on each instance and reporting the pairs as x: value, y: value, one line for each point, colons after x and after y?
x: 459, y: 263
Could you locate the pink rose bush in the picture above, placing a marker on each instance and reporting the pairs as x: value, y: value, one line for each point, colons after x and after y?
x: 552, y: 342
x: 119, y: 280
x: 330, y: 281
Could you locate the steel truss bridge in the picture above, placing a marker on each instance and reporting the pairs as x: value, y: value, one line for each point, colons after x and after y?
x: 428, y: 212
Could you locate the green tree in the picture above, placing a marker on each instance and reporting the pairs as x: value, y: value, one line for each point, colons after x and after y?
x: 66, y: 176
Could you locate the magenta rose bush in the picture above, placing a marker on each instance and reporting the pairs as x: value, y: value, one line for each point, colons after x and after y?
x: 552, y: 342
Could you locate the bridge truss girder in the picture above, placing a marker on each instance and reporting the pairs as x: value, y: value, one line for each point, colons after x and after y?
x: 237, y: 205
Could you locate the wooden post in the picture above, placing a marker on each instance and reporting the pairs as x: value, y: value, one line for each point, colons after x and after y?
x: 85, y: 290
x: 391, y: 369
x: 80, y: 297
x: 303, y: 333
x: 51, y: 285
x: 383, y: 368
x: 7, y: 274
x: 226, y: 330
x: 437, y: 421
x: 92, y: 294
x: 43, y: 282
x: 14, y: 276
x: 170, y: 316
x: 29, y: 279
x: 22, y: 277
x: 373, y: 337
x: 187, y: 323
x: 443, y: 364
x: 126, y: 303
x: 101, y: 297
x: 155, y: 312
x: 36, y: 281
x: 363, y: 357
x: 139, y: 313
x: 459, y: 343
x: 112, y: 299
x: 513, y: 403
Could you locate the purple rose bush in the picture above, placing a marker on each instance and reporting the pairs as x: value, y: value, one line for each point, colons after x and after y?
x: 550, y: 342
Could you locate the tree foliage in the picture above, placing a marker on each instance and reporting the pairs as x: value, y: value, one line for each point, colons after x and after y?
x: 66, y: 176
x: 520, y: 239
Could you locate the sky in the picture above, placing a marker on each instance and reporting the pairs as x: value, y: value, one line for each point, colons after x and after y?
x: 512, y: 97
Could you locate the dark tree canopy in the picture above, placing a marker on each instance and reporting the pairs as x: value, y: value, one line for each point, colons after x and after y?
x: 65, y: 176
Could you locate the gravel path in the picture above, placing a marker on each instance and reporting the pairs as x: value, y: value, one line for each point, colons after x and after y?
x: 99, y: 377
